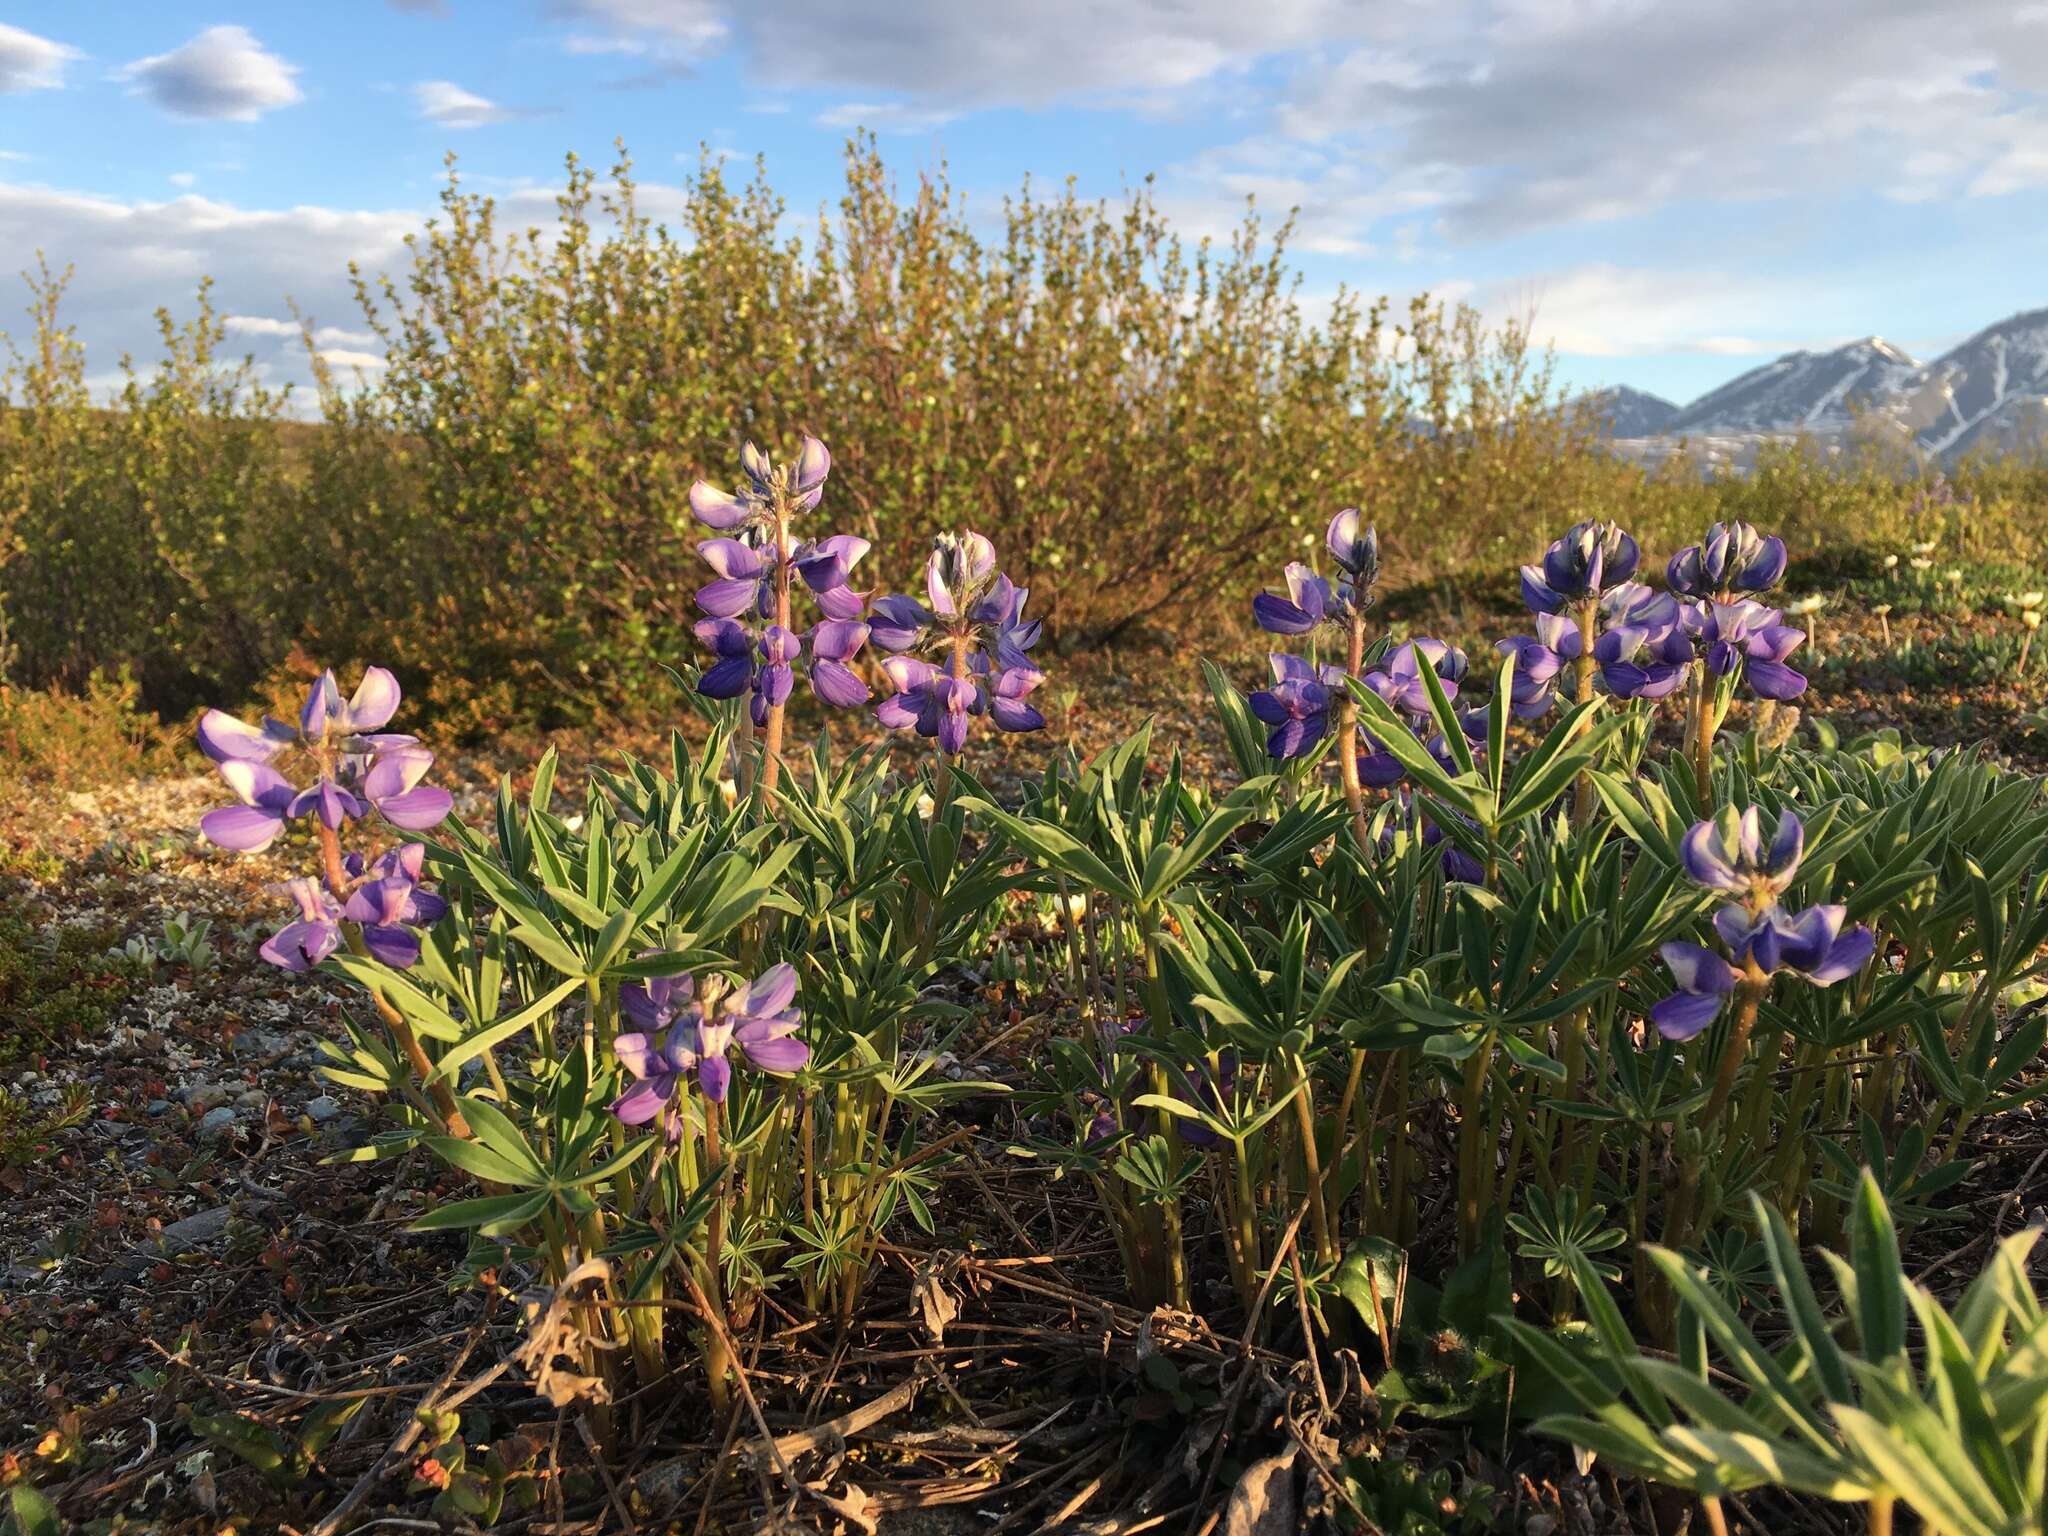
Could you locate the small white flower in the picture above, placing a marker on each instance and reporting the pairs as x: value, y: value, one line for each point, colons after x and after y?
x: 729, y: 792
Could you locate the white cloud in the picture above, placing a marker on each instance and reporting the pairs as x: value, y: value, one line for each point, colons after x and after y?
x: 1600, y: 309
x: 183, y: 179
x: 131, y: 257
x: 31, y: 63
x: 446, y: 103
x: 1543, y: 112
x: 341, y: 357
x: 886, y: 117
x: 222, y: 73
x: 259, y: 325
x: 674, y: 34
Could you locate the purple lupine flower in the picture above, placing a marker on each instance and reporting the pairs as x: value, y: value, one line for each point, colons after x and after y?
x: 660, y: 1060
x: 929, y: 701
x: 325, y: 714
x: 1313, y: 600
x: 744, y: 575
x: 1398, y: 678
x: 267, y: 799
x: 804, y: 484
x: 1729, y: 854
x: 1309, y: 603
x: 753, y: 652
x: 1641, y: 653
x: 1591, y: 557
x: 1297, y: 706
x: 826, y: 567
x: 391, y: 784
x: 1638, y: 663
x: 313, y: 935
x: 1747, y: 637
x: 759, y: 1020
x: 393, y: 903
x: 972, y: 622
x: 1539, y: 661
x: 1733, y: 557
x: 832, y: 644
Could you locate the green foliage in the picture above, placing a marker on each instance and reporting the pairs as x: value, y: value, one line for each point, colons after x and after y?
x: 1961, y: 1438
x: 58, y: 981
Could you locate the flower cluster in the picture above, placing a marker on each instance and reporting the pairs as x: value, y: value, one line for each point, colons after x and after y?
x: 1732, y: 558
x: 1297, y: 706
x: 1583, y: 593
x: 1746, y: 639
x: 683, y: 1035
x: 355, y: 767
x: 757, y: 567
x: 962, y: 653
x: 1730, y: 855
x: 1312, y: 600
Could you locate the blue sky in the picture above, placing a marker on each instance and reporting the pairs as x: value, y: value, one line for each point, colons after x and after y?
x: 1672, y: 190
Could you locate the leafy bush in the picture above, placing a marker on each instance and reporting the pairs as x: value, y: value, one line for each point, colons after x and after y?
x: 1130, y: 414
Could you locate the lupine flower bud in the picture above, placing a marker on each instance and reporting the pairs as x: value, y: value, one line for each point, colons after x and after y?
x: 1591, y: 557
x: 1733, y: 557
x: 1355, y: 545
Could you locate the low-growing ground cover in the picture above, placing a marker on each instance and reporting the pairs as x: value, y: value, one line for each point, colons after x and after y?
x: 1082, y: 1126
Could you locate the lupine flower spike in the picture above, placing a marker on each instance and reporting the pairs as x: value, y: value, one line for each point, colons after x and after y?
x: 749, y: 619
x: 962, y: 654
x: 1735, y: 637
x: 374, y: 908
x: 1297, y: 706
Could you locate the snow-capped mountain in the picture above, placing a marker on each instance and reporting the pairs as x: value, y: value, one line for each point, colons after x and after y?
x: 1986, y: 393
x: 1989, y: 394
x: 1630, y: 412
x: 1800, y: 391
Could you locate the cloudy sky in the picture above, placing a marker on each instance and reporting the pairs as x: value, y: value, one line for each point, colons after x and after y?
x: 1675, y: 189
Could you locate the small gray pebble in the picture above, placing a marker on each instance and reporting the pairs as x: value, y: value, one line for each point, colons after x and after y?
x: 218, y: 1123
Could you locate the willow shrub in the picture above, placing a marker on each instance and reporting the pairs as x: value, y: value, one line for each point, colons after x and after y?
x: 1128, y: 413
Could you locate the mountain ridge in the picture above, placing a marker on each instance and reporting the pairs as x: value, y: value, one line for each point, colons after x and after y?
x: 1987, y: 393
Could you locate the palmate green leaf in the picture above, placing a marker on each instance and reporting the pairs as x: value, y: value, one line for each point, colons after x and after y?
x: 1880, y: 1287
x: 1647, y: 821
x: 1752, y: 1460
x: 1056, y: 849
x: 543, y: 939
x: 1796, y: 1289
x: 1163, y: 877
x: 420, y: 1010
x: 1922, y: 1482
x: 492, y: 1215
x: 497, y: 1130
x: 1626, y: 1447
x: 1391, y: 731
x: 1754, y: 1363
x: 1614, y: 1336
x: 467, y: 1050
x: 1966, y: 1410
x: 474, y: 1157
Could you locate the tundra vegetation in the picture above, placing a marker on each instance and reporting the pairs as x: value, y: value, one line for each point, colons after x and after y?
x: 1548, y: 1069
